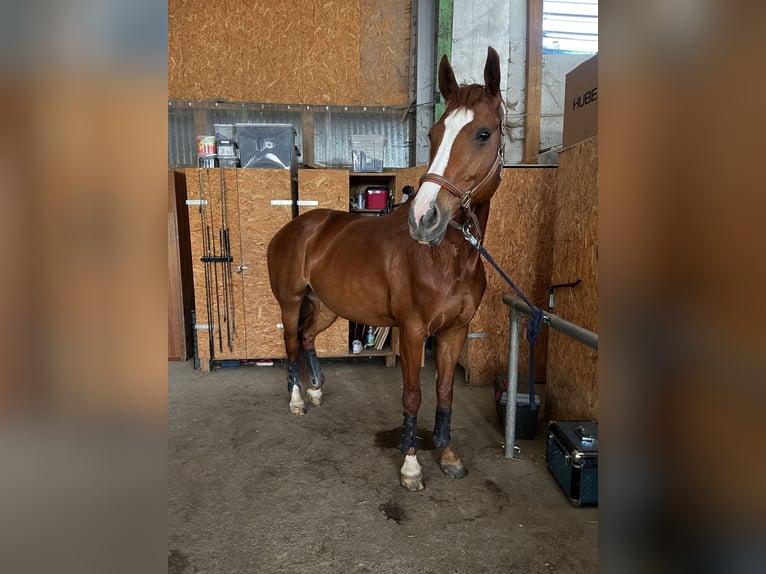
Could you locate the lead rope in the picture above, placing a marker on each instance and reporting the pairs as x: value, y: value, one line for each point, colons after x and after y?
x: 535, y: 321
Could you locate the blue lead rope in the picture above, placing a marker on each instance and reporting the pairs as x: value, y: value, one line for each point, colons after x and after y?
x: 535, y: 321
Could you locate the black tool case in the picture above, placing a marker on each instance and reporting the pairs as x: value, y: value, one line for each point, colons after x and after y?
x: 572, y: 457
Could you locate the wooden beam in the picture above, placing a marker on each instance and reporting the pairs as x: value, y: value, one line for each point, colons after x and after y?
x: 533, y: 104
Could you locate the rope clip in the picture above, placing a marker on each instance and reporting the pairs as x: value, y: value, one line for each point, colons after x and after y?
x: 468, y: 235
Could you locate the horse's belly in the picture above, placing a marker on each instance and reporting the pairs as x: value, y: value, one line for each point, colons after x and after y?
x: 357, y: 298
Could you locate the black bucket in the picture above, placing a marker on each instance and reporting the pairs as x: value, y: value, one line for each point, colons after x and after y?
x: 526, y: 414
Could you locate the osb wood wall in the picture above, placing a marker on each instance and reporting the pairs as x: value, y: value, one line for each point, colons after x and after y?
x: 329, y: 188
x: 408, y: 176
x: 180, y: 288
x: 519, y: 238
x: 260, y: 219
x: 254, y: 320
x: 205, y: 185
x: 340, y: 52
x: 572, y: 379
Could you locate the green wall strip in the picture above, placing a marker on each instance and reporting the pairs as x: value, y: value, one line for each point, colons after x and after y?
x: 443, y: 45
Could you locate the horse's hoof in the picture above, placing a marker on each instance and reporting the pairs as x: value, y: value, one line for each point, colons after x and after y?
x: 412, y: 474
x: 413, y: 483
x: 314, y: 396
x: 297, y: 406
x: 454, y: 470
x: 297, y: 410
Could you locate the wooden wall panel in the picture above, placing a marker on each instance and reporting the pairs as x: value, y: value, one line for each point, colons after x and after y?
x: 180, y: 285
x: 572, y: 382
x: 343, y: 52
x: 260, y: 220
x: 330, y: 63
x: 384, y: 61
x: 226, y: 320
x: 518, y: 237
x: 329, y: 187
x: 408, y: 176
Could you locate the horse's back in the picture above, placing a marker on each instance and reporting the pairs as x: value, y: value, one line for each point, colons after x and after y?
x: 291, y: 249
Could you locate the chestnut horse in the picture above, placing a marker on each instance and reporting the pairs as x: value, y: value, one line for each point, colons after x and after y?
x: 412, y: 269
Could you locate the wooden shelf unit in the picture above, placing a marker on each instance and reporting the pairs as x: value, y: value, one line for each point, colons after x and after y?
x: 358, y: 182
x: 255, y: 210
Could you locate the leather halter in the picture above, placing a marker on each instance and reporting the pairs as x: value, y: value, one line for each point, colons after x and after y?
x: 465, y: 196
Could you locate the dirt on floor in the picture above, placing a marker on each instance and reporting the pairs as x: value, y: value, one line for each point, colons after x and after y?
x: 255, y: 489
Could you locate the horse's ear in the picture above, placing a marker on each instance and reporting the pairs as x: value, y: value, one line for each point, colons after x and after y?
x: 492, y: 72
x: 447, y: 82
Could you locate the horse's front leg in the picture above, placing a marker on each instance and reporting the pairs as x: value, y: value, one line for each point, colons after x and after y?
x: 411, y: 351
x: 448, y: 346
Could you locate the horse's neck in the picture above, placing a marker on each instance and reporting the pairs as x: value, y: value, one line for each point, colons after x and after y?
x: 482, y: 215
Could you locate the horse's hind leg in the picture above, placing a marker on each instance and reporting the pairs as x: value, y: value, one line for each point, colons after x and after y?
x: 290, y: 294
x: 290, y: 317
x: 316, y: 318
x: 448, y: 346
x: 297, y: 405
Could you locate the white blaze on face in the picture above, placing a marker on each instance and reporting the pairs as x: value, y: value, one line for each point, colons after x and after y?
x: 453, y: 123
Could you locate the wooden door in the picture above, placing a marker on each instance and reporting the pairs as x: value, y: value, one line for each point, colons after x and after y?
x: 265, y: 205
x: 326, y: 188
x: 218, y: 290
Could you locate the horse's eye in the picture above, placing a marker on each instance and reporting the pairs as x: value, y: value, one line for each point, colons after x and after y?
x: 483, y: 135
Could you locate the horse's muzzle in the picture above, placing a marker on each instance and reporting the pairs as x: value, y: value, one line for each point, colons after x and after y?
x: 432, y: 226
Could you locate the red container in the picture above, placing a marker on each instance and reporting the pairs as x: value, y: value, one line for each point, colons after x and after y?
x: 205, y: 145
x: 377, y: 197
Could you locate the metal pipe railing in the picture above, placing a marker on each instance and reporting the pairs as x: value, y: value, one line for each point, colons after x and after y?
x: 517, y: 308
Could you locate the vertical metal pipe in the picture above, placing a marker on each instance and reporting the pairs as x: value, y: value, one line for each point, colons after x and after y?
x: 513, y: 380
x: 425, y: 79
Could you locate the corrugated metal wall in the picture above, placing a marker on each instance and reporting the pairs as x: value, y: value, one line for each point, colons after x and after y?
x: 333, y: 125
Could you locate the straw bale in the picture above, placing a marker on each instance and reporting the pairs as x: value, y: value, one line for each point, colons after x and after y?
x: 286, y: 52
x: 518, y: 237
x: 572, y: 388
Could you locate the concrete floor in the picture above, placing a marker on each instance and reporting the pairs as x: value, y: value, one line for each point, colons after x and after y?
x: 254, y: 489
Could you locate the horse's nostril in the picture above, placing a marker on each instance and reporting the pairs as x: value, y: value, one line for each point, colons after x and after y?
x: 430, y: 217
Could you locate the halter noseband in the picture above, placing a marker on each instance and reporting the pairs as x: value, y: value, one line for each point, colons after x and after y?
x: 465, y: 195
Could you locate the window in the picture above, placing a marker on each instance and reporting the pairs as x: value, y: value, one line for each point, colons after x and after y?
x: 570, y: 26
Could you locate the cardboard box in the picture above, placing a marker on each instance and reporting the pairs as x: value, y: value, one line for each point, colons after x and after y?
x: 581, y: 102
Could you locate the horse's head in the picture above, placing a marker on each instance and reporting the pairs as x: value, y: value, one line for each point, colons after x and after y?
x: 466, y: 153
